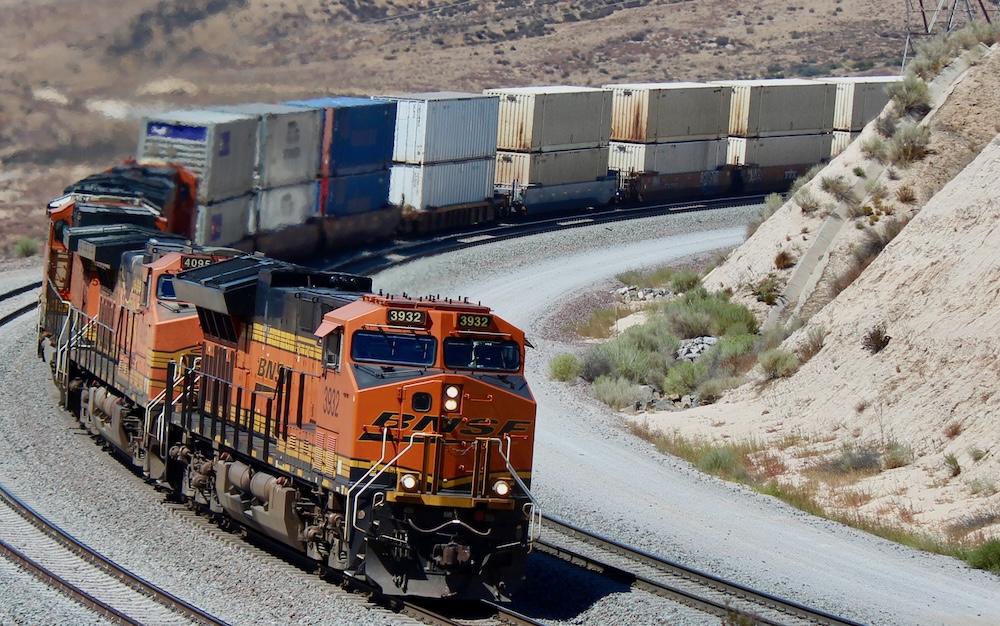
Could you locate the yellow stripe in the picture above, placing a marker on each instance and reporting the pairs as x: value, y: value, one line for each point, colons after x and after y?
x: 287, y: 341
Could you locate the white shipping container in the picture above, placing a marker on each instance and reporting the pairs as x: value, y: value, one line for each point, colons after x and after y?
x: 441, y: 184
x: 223, y: 223
x: 667, y: 158
x: 547, y: 119
x: 444, y: 126
x: 860, y: 99
x: 286, y: 206
x: 551, y: 168
x: 777, y: 151
x: 841, y: 139
x: 780, y: 107
x: 668, y: 112
x: 288, y: 138
x: 218, y: 147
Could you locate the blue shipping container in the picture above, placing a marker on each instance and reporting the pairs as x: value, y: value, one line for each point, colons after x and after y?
x: 357, y: 134
x: 353, y: 195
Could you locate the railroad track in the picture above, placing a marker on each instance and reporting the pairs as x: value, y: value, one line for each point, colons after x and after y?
x: 18, y: 312
x: 705, y: 592
x: 36, y: 545
x: 375, y: 259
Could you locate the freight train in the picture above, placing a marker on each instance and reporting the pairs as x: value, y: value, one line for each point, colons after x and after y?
x: 387, y: 437
x: 299, y: 177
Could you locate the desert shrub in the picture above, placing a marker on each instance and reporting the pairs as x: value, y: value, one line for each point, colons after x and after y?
x: 659, y: 277
x: 710, y: 391
x: 778, y: 363
x: 885, y: 126
x: 876, y: 339
x: 986, y: 556
x: 805, y: 178
x: 953, y: 429
x: 25, y: 247
x: 684, y: 281
x: 772, y: 202
x: 698, y: 314
x: 731, y: 356
x: 565, y: 367
x: 951, y: 463
x: 876, y: 240
x: 597, y: 362
x: 784, y: 260
x: 839, y: 188
x: 976, y: 454
x: 858, y: 458
x: 910, y: 95
x: 909, y: 144
x: 906, y: 195
x: 724, y: 462
x: 848, y: 276
x: 682, y: 378
x: 628, y: 361
x: 874, y: 148
x: 876, y: 189
x: 766, y: 289
x: 619, y: 393
x: 859, y: 172
x: 897, y: 455
x: 813, y: 344
x: 806, y: 201
x: 932, y: 55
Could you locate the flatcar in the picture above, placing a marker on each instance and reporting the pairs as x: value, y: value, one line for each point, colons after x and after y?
x: 387, y: 437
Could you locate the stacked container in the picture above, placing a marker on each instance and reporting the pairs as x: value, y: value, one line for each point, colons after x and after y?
x: 444, y: 150
x: 220, y: 149
x: 355, y: 153
x: 778, y: 129
x: 285, y: 164
x: 669, y: 138
x: 551, y: 136
x: 860, y: 99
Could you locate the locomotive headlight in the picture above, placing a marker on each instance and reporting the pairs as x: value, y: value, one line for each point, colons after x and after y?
x: 408, y: 482
x: 501, y: 488
x: 452, y: 397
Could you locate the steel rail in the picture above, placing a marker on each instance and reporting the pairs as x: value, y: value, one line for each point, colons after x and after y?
x: 20, y: 290
x: 133, y: 581
x: 731, y: 589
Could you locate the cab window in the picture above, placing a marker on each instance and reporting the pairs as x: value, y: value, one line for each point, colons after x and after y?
x: 482, y: 354
x: 331, y: 350
x: 393, y: 348
x: 165, y: 288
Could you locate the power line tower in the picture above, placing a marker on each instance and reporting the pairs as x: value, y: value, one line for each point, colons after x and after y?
x: 923, y: 18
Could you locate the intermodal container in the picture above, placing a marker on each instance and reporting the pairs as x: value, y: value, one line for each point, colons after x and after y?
x: 669, y: 112
x: 841, y: 139
x: 281, y: 207
x: 357, y: 134
x: 777, y: 151
x: 437, y: 185
x: 547, y: 119
x: 444, y: 126
x: 287, y: 142
x: 218, y: 147
x: 352, y: 195
x: 780, y: 107
x: 860, y: 99
x: 223, y: 223
x: 551, y: 168
x: 667, y: 158
x: 567, y: 196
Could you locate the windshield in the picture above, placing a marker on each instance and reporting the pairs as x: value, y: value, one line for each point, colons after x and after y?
x: 482, y: 354
x: 393, y: 348
x: 165, y: 288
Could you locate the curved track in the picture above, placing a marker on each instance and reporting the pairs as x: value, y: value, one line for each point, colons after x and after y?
x: 705, y: 592
x: 35, y: 544
x: 20, y: 310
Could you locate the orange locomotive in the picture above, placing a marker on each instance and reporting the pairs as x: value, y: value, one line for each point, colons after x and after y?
x: 387, y: 437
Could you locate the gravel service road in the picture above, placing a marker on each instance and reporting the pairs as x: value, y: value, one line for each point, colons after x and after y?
x: 590, y: 471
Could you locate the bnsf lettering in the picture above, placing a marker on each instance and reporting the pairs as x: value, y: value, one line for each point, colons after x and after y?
x: 480, y: 427
x: 267, y: 368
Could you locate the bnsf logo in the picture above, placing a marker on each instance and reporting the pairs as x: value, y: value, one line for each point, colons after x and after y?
x: 479, y: 427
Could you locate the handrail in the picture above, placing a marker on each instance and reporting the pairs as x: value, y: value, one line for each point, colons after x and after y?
x: 534, y: 528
